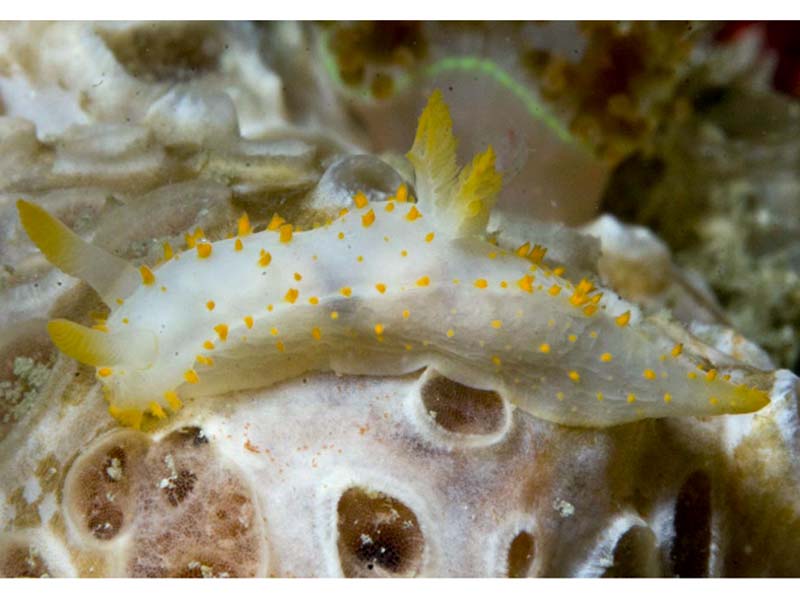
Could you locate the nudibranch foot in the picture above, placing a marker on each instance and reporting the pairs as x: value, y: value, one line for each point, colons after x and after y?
x: 386, y: 288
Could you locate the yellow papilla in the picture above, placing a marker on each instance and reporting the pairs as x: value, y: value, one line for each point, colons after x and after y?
x: 129, y: 417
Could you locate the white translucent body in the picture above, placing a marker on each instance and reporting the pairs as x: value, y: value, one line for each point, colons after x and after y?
x: 486, y: 337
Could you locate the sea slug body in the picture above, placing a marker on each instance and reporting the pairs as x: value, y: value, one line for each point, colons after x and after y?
x: 385, y: 292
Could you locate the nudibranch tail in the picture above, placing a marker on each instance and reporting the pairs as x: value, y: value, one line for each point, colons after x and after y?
x: 460, y: 203
x: 109, y: 276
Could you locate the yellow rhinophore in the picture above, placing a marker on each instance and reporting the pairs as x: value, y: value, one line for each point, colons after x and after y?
x: 109, y: 276
x: 100, y: 349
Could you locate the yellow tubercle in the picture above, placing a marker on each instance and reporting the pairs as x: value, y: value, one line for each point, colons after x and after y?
x: 173, y: 401
x: 276, y: 222
x: 191, y: 239
x: 537, y: 254
x: 243, y: 226
x: 581, y: 294
x: 147, y: 275
x: 368, y: 218
x: 156, y: 410
x: 128, y: 417
x: 285, y: 232
x: 360, y: 200
x: 265, y: 258
x: 204, y: 250
x: 413, y: 214
x: 402, y: 193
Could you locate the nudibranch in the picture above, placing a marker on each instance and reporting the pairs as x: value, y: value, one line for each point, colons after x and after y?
x: 386, y: 288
